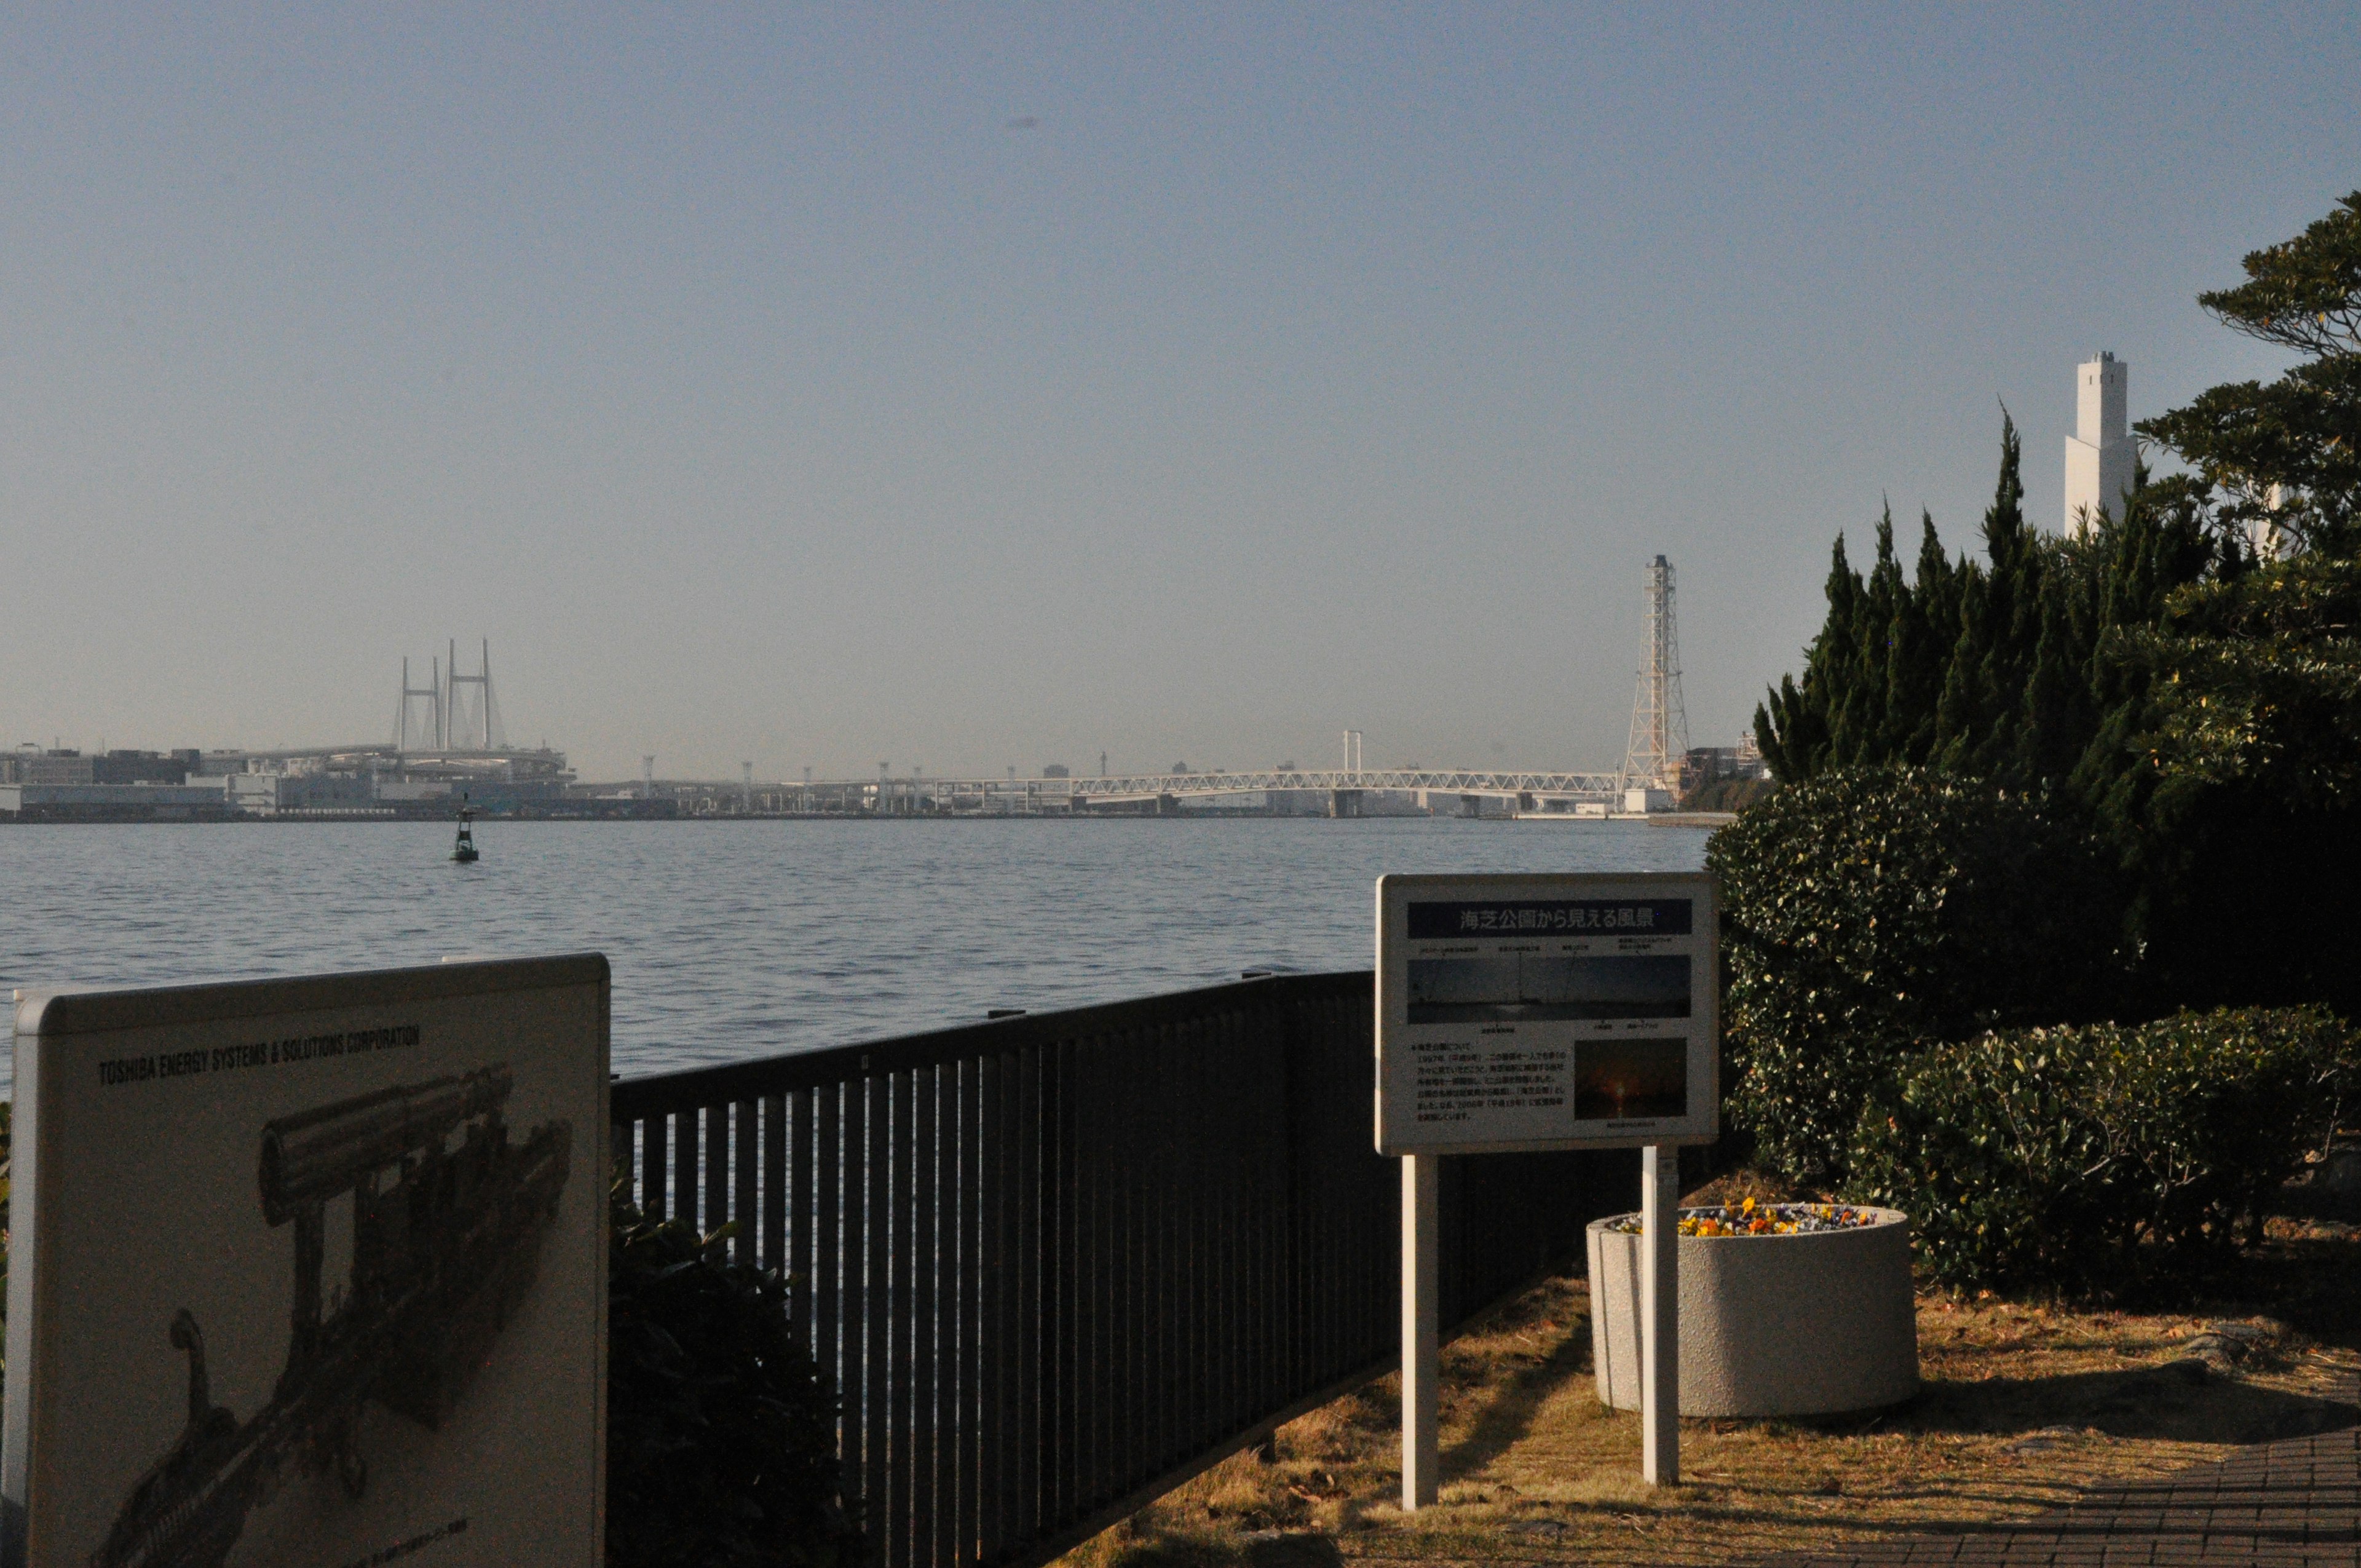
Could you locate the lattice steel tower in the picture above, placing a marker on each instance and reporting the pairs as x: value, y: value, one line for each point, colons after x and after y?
x: 1660, y: 727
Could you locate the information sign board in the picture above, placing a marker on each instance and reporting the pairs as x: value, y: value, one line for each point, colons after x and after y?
x: 311, y: 1272
x: 1546, y: 1011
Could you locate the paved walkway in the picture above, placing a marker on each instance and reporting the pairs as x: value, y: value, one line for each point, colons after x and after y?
x: 2297, y: 1502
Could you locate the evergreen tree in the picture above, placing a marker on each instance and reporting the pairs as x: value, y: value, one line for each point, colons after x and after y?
x: 1991, y: 668
x: 2196, y: 702
x: 1924, y: 622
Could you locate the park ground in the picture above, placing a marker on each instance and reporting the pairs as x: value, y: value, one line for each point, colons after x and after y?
x: 2025, y: 1404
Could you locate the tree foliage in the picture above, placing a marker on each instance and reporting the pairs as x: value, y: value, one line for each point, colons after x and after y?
x: 2233, y: 796
x: 1992, y: 667
x: 2305, y: 293
x: 2184, y: 678
x: 2286, y: 457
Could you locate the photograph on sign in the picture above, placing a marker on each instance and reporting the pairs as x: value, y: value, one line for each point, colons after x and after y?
x: 1617, y: 1080
x: 1516, y: 985
x: 1563, y: 1011
x: 311, y: 1271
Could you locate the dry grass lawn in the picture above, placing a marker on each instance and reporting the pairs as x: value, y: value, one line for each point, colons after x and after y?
x: 2024, y: 1404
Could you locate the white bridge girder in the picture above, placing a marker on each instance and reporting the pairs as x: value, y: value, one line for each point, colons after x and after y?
x: 1128, y: 787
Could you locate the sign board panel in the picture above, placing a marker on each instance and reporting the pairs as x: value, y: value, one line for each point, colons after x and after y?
x: 1548, y: 1012
x: 311, y: 1271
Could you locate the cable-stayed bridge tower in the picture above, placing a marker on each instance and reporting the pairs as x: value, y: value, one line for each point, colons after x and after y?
x: 431, y: 737
x: 456, y: 718
x: 1659, y: 725
x: 473, y: 723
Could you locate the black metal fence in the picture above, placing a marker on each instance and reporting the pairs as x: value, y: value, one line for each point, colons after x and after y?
x: 1057, y: 1264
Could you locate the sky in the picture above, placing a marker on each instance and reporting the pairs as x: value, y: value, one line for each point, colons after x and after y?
x: 973, y: 387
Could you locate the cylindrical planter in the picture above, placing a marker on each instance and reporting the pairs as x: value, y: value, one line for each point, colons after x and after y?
x: 1805, y: 1324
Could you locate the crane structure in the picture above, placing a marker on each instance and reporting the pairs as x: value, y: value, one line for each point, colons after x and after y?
x: 1658, y: 743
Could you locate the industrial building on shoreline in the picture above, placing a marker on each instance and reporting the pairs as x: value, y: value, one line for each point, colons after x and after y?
x: 446, y: 747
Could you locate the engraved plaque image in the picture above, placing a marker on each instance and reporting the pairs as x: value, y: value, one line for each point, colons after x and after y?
x: 311, y: 1272
x: 448, y: 1219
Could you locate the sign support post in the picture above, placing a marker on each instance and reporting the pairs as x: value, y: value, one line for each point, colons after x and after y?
x: 1660, y: 1316
x: 1421, y: 1279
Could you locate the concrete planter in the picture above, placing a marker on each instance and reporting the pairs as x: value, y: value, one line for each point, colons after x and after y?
x: 1796, y: 1325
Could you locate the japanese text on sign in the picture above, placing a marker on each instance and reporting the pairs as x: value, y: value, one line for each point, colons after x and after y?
x: 1660, y: 917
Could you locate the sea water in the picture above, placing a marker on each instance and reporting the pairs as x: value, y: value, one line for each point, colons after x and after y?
x: 739, y: 939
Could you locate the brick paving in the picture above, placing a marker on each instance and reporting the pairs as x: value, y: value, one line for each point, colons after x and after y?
x: 2296, y: 1502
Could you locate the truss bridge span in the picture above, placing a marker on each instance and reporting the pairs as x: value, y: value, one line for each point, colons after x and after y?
x: 1538, y: 787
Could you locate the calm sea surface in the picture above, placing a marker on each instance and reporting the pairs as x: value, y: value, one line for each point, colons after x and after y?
x: 733, y: 939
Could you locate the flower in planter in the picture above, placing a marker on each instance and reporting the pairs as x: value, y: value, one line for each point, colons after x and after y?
x: 1752, y: 1219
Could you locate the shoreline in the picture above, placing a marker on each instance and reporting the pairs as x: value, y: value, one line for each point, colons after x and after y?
x: 1657, y: 819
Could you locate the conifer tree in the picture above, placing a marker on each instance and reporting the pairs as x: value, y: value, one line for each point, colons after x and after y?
x: 1923, y: 617
x: 1881, y: 613
x: 2012, y: 610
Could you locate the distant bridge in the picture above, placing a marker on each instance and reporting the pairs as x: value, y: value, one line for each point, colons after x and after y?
x: 1338, y: 791
x: 1651, y: 769
x: 1603, y: 788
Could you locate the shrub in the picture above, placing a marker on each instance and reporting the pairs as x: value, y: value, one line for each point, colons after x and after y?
x: 721, y: 1432
x: 1868, y: 909
x: 2102, y: 1155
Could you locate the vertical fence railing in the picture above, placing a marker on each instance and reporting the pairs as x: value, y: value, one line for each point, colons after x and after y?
x: 1057, y: 1264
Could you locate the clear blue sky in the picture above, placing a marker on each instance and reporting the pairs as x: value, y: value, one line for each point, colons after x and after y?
x: 977, y: 386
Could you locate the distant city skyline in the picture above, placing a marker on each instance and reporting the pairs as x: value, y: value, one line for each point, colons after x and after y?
x: 977, y: 388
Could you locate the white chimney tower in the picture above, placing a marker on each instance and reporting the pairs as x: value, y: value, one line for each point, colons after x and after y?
x: 2100, y: 453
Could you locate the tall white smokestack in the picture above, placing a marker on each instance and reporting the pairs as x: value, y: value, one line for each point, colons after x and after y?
x: 2100, y: 453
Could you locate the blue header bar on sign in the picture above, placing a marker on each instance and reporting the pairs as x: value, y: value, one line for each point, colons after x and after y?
x: 1515, y: 917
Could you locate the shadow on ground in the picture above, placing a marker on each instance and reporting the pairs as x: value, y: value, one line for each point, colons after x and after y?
x: 1500, y: 1414
x: 2177, y: 1400
x: 2028, y: 1401
x: 2183, y: 1398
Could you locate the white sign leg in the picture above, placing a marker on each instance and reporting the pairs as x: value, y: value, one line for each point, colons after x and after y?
x: 1660, y: 1316
x: 1421, y: 1308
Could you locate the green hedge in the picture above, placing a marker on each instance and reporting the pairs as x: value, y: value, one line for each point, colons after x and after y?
x: 721, y: 1432
x: 1869, y: 909
x: 2103, y: 1157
